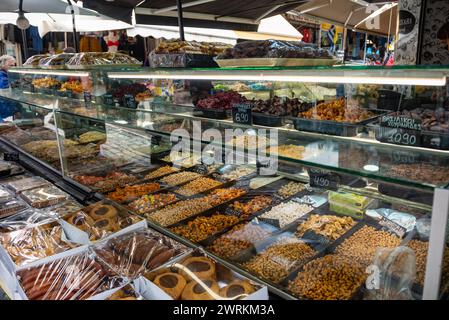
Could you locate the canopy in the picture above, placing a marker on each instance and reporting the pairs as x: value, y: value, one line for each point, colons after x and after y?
x: 218, y: 14
x: 63, y: 22
x: 354, y: 14
x: 43, y: 6
x: 276, y: 27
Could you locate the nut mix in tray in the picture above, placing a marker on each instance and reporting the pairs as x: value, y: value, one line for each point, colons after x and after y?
x: 131, y: 192
x: 180, y: 178
x: 331, y: 277
x: 290, y: 189
x: 286, y: 213
x: 279, y: 259
x: 362, y: 245
x: 241, y: 237
x: 203, y: 227
x: 197, y: 186
x: 254, y: 205
x: 162, y: 171
x: 150, y: 202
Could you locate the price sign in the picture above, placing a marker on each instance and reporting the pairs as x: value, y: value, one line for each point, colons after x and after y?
x: 11, y: 156
x: 393, y: 227
x: 108, y: 99
x: 400, y: 130
x: 129, y: 101
x: 273, y: 222
x: 156, y: 140
x: 323, y: 179
x: 241, y: 113
x: 316, y: 240
x: 87, y: 99
x: 243, y: 183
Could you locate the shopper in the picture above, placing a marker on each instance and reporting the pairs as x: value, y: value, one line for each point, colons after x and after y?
x: 5, y: 63
x: 7, y: 108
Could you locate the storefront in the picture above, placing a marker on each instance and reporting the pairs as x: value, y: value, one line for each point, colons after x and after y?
x: 256, y: 171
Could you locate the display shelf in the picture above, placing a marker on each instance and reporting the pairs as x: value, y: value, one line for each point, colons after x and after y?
x: 321, y: 151
x: 427, y: 76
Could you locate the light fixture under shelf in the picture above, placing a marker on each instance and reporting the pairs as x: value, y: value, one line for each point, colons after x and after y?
x: 391, y: 77
x: 50, y: 72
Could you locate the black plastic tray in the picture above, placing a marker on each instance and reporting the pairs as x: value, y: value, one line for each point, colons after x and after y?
x: 333, y: 127
x: 211, y: 113
x: 267, y: 120
x: 406, y: 193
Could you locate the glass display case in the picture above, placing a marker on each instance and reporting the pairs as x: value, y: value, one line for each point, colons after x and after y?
x: 322, y: 183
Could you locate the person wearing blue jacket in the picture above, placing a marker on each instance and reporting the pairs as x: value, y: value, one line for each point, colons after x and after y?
x: 7, y: 108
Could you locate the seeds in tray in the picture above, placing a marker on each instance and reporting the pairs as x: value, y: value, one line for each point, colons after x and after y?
x: 238, y: 173
x: 331, y: 277
x: 278, y: 260
x: 362, y: 245
x: 198, y: 185
x: 162, y: 171
x: 249, y: 142
x: 180, y: 210
x: 203, y: 227
x: 150, y: 202
x: 180, y: 178
x: 241, y: 237
x: 421, y: 248
x: 287, y: 212
x: 331, y: 227
x: 290, y: 189
x: 256, y: 204
x: 130, y: 192
x: 288, y: 151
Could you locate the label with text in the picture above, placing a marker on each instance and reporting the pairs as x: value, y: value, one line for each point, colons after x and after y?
x: 241, y: 113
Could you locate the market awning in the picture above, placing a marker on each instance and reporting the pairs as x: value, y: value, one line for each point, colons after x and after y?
x: 354, y: 14
x: 63, y: 22
x: 276, y: 27
x: 43, y: 6
x: 217, y: 14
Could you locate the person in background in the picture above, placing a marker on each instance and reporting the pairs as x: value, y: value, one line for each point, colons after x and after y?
x: 7, y: 108
x: 5, y: 63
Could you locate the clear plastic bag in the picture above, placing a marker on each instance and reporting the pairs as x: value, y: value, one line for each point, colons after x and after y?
x: 76, y: 277
x: 57, y: 60
x: 24, y: 219
x: 33, y: 243
x: 34, y: 60
x: 199, y: 277
x: 101, y: 219
x: 392, y: 274
x: 274, y: 49
x: 133, y: 254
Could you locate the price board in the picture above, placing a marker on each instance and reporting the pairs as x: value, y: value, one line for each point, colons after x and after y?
x: 241, y: 113
x: 400, y: 130
x: 87, y: 99
x: 129, y: 101
x: 323, y: 179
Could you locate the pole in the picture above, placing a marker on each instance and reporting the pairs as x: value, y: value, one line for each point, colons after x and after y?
x: 25, y: 44
x: 75, y: 40
x: 180, y: 20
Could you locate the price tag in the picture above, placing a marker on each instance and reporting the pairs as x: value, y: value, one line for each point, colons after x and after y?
x: 87, y: 99
x: 156, y: 140
x: 400, y: 231
x: 400, y: 136
x: 201, y: 169
x: 273, y: 222
x: 400, y: 130
x: 231, y: 212
x: 243, y: 183
x: 69, y: 94
x: 108, y: 99
x: 11, y: 156
x: 323, y: 179
x: 241, y: 113
x: 129, y: 101
x: 403, y: 157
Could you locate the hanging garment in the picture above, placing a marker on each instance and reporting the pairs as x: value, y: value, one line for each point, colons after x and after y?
x: 38, y: 45
x: 90, y: 44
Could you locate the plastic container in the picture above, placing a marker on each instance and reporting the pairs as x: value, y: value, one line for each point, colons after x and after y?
x: 267, y: 120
